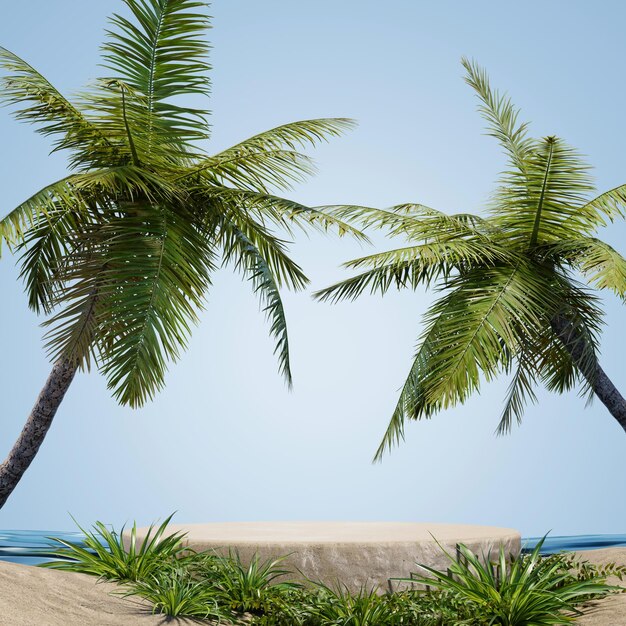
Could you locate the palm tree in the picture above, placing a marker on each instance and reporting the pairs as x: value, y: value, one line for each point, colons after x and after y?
x: 511, y: 298
x: 121, y: 251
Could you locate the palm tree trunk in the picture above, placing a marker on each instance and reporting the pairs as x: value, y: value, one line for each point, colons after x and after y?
x: 601, y: 384
x: 36, y: 427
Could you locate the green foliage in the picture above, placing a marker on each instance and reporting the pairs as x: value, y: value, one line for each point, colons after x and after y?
x: 106, y: 554
x: 435, y: 608
x: 342, y: 608
x: 505, y: 280
x: 581, y: 569
x: 121, y: 252
x: 517, y: 591
x: 247, y: 588
x: 178, y: 582
x: 323, y: 606
x: 172, y: 592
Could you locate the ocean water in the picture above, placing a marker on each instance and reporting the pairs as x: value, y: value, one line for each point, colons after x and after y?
x: 552, y: 545
x: 31, y: 547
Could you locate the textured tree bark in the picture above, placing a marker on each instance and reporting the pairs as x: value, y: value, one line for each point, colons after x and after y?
x: 601, y: 384
x: 36, y: 427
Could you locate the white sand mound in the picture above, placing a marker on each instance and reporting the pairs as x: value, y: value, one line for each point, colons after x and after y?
x: 32, y: 596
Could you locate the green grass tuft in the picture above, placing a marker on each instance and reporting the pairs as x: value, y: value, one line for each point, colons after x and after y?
x: 104, y: 553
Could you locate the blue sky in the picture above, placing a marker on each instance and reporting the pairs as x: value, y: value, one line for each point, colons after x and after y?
x: 226, y: 440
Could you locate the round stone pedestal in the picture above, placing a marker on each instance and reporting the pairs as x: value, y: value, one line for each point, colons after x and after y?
x: 354, y: 554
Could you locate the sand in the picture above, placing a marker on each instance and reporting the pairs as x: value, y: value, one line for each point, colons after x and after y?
x: 610, y: 611
x: 34, y: 596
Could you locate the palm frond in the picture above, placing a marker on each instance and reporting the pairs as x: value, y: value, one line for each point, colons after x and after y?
x: 156, y: 275
x: 501, y: 116
x: 411, y: 266
x: 78, y: 191
x: 601, y: 264
x: 497, y: 313
x: 293, y: 136
x: 414, y: 221
x: 38, y: 102
x: 411, y: 400
x: 237, y: 228
x: 520, y: 392
x: 577, y: 327
x: 611, y: 203
x: 73, y: 289
x: 126, y: 183
x: 273, y: 157
x: 45, y: 246
x: 473, y: 332
x: 73, y: 330
x: 249, y: 259
x: 284, y: 213
x: 27, y: 214
x: 255, y: 171
x: 546, y: 204
x: 486, y: 317
x: 555, y: 366
x: 160, y: 56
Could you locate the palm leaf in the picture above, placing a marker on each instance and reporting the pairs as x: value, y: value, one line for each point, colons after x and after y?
x: 74, y: 290
x: 519, y: 393
x: 486, y: 316
x: 271, y: 158
x: 160, y: 56
x: 411, y: 266
x: 38, y: 102
x: 602, y: 265
x: 610, y: 203
x: 76, y: 191
x: 256, y: 171
x: 284, y: 213
x: 555, y: 366
x: 411, y: 400
x: 41, y: 204
x: 249, y: 259
x: 156, y: 275
x: 126, y: 183
x: 501, y: 116
x: 45, y: 246
x: 73, y: 330
x: 238, y: 230
x: 546, y: 205
x: 415, y: 221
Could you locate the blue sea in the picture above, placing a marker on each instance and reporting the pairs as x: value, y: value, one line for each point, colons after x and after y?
x: 31, y: 547
x: 552, y: 545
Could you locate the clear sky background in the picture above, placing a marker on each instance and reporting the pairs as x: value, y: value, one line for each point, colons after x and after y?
x: 226, y: 440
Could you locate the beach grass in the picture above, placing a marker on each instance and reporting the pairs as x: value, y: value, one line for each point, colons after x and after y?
x: 221, y: 588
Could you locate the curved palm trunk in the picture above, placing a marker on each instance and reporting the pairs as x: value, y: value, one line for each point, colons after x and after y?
x: 36, y: 427
x: 601, y: 384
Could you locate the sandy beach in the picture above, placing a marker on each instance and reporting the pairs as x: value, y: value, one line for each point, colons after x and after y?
x: 31, y: 595
x: 610, y: 611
